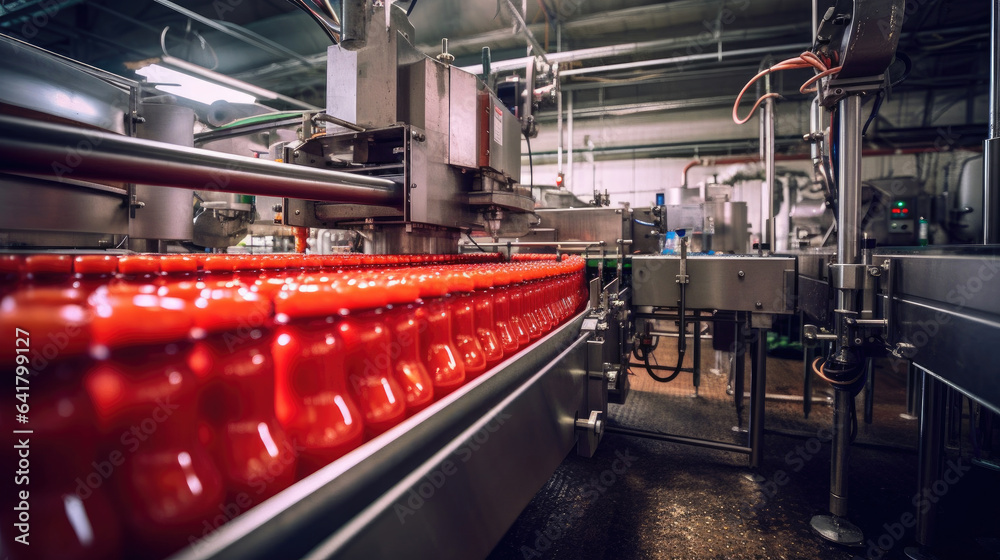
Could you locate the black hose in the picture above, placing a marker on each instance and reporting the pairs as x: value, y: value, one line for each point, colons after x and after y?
x: 410, y: 9
x: 681, y: 344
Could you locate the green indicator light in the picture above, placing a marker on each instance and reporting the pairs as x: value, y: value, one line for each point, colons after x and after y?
x: 901, y: 204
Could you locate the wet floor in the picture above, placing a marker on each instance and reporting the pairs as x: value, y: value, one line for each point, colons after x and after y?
x: 639, y: 498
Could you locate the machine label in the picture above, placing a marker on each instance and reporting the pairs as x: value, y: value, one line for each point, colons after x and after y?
x: 498, y: 125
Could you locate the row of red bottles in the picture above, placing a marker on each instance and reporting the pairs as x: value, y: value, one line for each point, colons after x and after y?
x: 174, y: 393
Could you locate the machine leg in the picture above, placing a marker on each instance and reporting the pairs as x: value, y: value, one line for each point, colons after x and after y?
x: 869, y: 390
x: 739, y: 368
x: 929, y: 465
x: 912, y: 392
x: 758, y: 376
x: 807, y: 392
x: 696, y: 374
x: 836, y: 528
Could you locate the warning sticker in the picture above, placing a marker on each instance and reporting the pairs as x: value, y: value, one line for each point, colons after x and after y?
x: 498, y: 125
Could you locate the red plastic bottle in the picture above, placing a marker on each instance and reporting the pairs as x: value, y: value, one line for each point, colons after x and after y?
x: 145, y: 402
x: 515, y: 295
x: 405, y: 329
x: 141, y: 271
x: 68, y: 509
x: 90, y: 272
x: 501, y: 309
x: 441, y: 358
x: 463, y: 323
x: 485, y: 318
x: 48, y: 270
x: 218, y: 270
x: 232, y: 357
x: 177, y: 269
x: 367, y: 355
x: 11, y: 273
x: 312, y: 399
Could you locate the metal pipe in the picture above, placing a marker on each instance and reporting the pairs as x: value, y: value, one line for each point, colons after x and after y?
x: 758, y: 378
x: 30, y: 146
x: 569, y: 142
x: 544, y: 244
x: 739, y: 369
x: 624, y: 49
x: 991, y: 148
x: 686, y: 58
x: 840, y: 452
x: 767, y: 149
x: 849, y: 174
x: 339, y: 122
x: 718, y: 445
x: 245, y: 35
x: 536, y: 48
x: 929, y: 465
x: 354, y: 19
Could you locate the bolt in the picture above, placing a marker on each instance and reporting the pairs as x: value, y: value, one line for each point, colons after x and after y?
x: 741, y: 274
x: 857, y: 341
x: 295, y: 153
x: 297, y: 212
x: 875, y: 271
x: 758, y: 305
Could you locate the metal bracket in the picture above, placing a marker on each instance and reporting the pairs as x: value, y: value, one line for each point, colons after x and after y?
x: 589, y: 433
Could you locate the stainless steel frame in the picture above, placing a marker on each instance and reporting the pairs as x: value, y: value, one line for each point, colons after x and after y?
x: 478, y: 456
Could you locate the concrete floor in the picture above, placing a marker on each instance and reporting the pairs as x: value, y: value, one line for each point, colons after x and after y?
x: 639, y: 498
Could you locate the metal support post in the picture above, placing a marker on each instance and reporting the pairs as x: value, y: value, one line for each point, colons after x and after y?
x: 758, y: 377
x: 929, y: 466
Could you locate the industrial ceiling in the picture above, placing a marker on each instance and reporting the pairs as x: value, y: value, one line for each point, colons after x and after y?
x: 627, y: 55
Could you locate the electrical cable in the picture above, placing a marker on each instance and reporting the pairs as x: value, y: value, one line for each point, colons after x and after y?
x: 819, y: 372
x: 469, y: 235
x: 681, y: 340
x: 410, y: 9
x: 331, y: 31
x: 876, y: 105
x: 805, y: 60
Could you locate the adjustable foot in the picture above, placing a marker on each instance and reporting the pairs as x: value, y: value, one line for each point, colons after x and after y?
x: 837, y: 530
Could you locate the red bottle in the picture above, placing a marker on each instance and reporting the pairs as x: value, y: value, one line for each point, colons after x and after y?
x: 367, y: 352
x: 482, y: 304
x: 145, y: 403
x: 501, y: 309
x: 312, y: 399
x: 232, y: 357
x: 177, y: 269
x: 247, y: 269
x: 404, y: 325
x: 48, y: 270
x: 142, y: 271
x: 463, y: 323
x: 93, y: 271
x: 442, y: 360
x: 11, y: 273
x: 515, y: 295
x: 68, y: 510
x: 218, y: 270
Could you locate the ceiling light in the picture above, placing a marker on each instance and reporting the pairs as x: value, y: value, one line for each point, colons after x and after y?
x: 190, y: 87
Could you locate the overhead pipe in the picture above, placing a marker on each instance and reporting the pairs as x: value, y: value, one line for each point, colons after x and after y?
x: 58, y: 150
x: 354, y: 20
x: 991, y: 148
